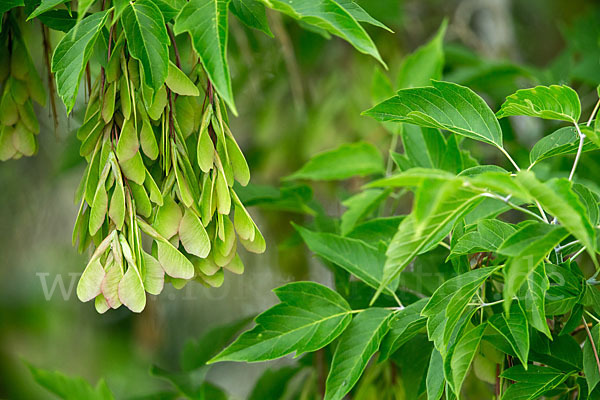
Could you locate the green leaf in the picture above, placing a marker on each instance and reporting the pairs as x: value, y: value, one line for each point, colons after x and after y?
x: 309, y: 317
x: 72, y: 54
x: 446, y: 106
x: 147, y: 40
x: 527, y: 248
x: 272, y: 384
x: 548, y: 102
x: 358, y: 258
x: 425, y: 63
x: 404, y: 325
x: 189, y: 385
x: 69, y: 388
x: 515, y: 330
x: 435, y: 376
x: 557, y: 197
x: 490, y: 234
x: 8, y: 5
x: 330, y: 16
x: 561, y: 142
x: 359, y: 206
x: 533, y: 299
x: 531, y: 383
x: 449, y: 302
x: 590, y: 363
x: 44, y: 6
x: 360, y: 14
x: 356, y: 347
x: 206, y: 22
x: 437, y: 206
x: 196, y: 353
x: 427, y: 148
x: 252, y: 14
x: 344, y: 162
x: 457, y: 364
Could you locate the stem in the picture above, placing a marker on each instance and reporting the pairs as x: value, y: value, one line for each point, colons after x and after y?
x: 509, y: 158
x: 579, y: 150
x: 515, y: 207
x: 564, y: 246
x: 47, y: 51
x: 587, y: 329
x: 589, y: 122
x: 390, y: 162
x: 593, y: 316
x: 577, y: 254
x: 175, y: 49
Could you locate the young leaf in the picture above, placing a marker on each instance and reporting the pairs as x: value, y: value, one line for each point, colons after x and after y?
x: 309, y: 317
x: 252, y: 14
x: 425, y: 64
x: 356, y: 347
x: 72, y: 54
x: 344, y: 162
x: 331, y: 16
x: 147, y: 40
x: 548, y: 102
x: 446, y: 106
x: 515, y: 330
x: 206, y: 22
x: 356, y: 257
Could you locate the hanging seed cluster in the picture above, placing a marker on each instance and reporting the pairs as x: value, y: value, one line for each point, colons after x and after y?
x: 21, y: 86
x: 162, y: 163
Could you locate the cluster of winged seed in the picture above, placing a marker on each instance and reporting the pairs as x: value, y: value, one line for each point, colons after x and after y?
x: 160, y: 162
x: 21, y: 85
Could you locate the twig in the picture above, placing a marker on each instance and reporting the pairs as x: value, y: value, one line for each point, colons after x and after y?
x: 175, y: 49
x: 579, y: 151
x: 587, y: 329
x: 47, y: 49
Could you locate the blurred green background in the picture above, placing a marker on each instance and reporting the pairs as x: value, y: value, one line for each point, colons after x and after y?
x: 297, y: 95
